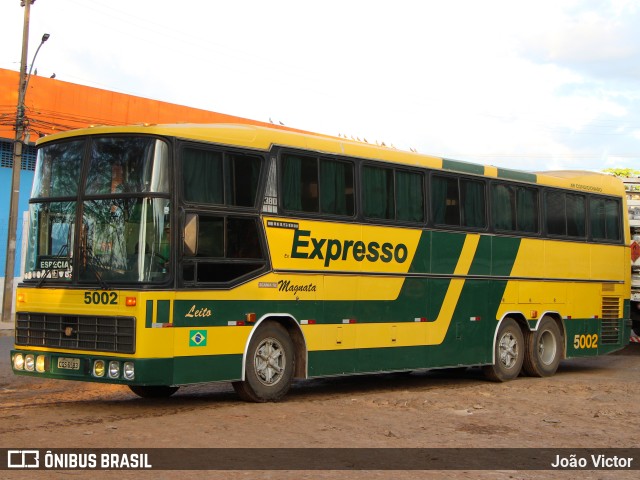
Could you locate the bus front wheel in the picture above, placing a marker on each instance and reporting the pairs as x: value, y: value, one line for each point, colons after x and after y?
x: 269, y: 365
x: 543, y: 349
x: 153, y: 391
x: 508, y: 353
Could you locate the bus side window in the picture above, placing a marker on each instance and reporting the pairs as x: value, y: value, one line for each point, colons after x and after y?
x: 458, y: 201
x: 300, y: 183
x: 515, y: 208
x: 605, y: 218
x: 202, y: 176
x: 336, y: 188
x: 377, y: 186
x: 225, y: 248
x: 473, y: 202
x: 445, y: 200
x: 555, y: 213
x: 409, y: 196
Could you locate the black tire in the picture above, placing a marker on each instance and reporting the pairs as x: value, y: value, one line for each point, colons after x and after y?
x: 543, y: 349
x: 636, y: 327
x: 153, y: 391
x: 635, y: 317
x: 269, y: 365
x: 508, y: 353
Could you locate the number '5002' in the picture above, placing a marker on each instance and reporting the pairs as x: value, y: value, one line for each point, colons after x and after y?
x: 585, y: 341
x: 101, y: 298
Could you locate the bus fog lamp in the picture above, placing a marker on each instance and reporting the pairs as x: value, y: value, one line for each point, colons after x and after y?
x: 129, y: 371
x: 98, y: 368
x: 29, y: 363
x: 114, y: 369
x: 41, y: 363
x: 18, y: 361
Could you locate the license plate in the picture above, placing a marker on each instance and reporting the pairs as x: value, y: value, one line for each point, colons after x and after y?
x: 65, y: 363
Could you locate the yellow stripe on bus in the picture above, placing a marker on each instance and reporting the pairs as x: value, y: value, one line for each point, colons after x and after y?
x: 439, y: 328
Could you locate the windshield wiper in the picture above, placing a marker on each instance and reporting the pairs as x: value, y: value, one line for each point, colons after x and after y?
x: 92, y: 258
x: 50, y: 268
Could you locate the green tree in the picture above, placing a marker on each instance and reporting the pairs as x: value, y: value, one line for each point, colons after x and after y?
x: 622, y: 172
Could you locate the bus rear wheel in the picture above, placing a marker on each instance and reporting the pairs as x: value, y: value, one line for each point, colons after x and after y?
x: 269, y: 365
x: 153, y: 391
x: 543, y: 349
x: 508, y: 353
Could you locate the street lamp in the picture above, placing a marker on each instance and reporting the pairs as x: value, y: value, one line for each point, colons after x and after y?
x: 7, y: 299
x: 45, y: 37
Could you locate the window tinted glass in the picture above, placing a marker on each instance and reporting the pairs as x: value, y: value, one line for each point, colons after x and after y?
x: 216, y: 178
x: 210, y: 236
x: 300, y: 183
x: 243, y: 178
x: 202, y: 176
x: 503, y: 207
x: 604, y: 218
x: 472, y: 197
x: 445, y: 199
x: 555, y: 210
x: 228, y: 248
x: 514, y: 208
x: 377, y: 185
x: 409, y: 196
x: 243, y: 239
x: 303, y: 191
x: 336, y: 187
x: 576, y: 216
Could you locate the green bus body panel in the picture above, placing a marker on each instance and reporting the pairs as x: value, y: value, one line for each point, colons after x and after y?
x: 463, y: 167
x: 460, y: 347
x: 517, y: 175
x: 210, y: 368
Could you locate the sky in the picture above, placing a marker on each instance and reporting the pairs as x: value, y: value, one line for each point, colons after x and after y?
x: 532, y: 85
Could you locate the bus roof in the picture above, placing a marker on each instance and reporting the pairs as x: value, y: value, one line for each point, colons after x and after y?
x: 263, y: 138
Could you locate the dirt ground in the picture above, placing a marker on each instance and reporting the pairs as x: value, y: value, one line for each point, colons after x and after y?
x: 590, y: 403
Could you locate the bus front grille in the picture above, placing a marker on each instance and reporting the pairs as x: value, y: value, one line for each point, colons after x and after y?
x: 76, y: 332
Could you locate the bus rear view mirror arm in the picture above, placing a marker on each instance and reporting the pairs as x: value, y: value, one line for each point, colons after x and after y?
x: 191, y: 235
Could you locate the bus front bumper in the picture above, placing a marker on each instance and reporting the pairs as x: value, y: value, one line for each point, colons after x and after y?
x: 92, y: 368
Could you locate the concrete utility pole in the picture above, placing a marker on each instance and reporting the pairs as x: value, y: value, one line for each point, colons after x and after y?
x: 7, y: 300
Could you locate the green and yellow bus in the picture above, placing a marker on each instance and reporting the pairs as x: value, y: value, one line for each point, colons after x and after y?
x: 169, y: 255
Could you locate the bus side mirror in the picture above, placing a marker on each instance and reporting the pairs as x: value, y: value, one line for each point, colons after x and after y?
x: 191, y: 235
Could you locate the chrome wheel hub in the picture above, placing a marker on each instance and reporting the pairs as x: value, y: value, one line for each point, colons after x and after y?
x: 508, y: 350
x: 269, y: 362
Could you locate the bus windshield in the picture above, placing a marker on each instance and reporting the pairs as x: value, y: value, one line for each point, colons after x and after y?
x: 116, y: 229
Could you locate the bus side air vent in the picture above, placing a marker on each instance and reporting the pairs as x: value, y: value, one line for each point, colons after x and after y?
x: 610, y: 308
x: 610, y: 324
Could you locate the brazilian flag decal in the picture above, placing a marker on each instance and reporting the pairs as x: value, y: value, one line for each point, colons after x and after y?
x: 197, y: 338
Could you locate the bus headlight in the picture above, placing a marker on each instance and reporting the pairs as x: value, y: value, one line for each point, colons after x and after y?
x: 114, y: 369
x: 41, y: 364
x: 18, y: 361
x: 129, y: 371
x: 29, y: 363
x: 98, y: 368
